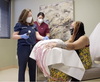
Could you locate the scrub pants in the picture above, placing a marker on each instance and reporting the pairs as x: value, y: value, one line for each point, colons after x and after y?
x: 23, y: 58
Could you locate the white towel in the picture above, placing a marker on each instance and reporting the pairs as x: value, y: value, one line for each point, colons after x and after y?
x: 66, y: 61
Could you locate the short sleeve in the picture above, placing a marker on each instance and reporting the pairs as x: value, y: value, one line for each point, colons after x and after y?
x: 17, y: 27
x: 35, y: 27
x: 47, y: 29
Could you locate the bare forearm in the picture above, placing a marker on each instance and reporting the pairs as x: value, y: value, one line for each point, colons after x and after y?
x: 16, y: 37
x: 38, y: 36
x: 63, y: 45
x: 48, y: 34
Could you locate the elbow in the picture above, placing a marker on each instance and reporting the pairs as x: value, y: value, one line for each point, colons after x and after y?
x: 13, y: 37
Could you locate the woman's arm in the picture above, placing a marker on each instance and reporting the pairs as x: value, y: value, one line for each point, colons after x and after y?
x: 69, y: 40
x: 48, y: 34
x: 80, y: 43
x: 16, y: 36
x: 38, y: 36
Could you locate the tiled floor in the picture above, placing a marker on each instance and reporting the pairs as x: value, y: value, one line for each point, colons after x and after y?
x: 11, y: 75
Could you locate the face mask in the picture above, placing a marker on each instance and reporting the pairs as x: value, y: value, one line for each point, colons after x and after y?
x: 71, y: 30
x: 40, y: 20
x: 29, y: 19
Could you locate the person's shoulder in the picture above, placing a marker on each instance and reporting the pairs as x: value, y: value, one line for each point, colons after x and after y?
x: 34, y: 25
x: 17, y: 27
x: 45, y: 24
x: 18, y: 24
x: 84, y: 37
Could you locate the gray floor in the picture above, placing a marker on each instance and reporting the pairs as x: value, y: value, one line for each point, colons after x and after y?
x: 11, y: 75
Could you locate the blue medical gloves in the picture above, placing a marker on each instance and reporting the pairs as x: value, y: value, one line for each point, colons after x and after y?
x: 46, y: 38
x: 24, y: 36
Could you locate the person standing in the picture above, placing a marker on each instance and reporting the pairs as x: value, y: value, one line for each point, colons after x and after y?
x: 25, y: 31
x: 43, y: 28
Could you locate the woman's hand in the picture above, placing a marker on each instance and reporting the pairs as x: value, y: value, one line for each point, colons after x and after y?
x: 51, y: 45
x: 46, y: 38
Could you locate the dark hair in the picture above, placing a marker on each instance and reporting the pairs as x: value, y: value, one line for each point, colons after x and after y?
x: 23, y: 17
x: 41, y: 13
x: 80, y: 32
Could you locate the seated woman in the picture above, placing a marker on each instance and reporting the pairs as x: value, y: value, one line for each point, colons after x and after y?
x: 78, y: 42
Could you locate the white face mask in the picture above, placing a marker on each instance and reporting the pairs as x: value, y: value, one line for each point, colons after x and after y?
x: 40, y: 20
x: 29, y: 19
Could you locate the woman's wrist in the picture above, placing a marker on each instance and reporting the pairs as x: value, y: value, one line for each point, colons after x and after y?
x: 62, y: 45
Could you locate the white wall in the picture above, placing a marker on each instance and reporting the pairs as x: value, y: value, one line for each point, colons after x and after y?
x: 86, y: 11
x: 31, y: 4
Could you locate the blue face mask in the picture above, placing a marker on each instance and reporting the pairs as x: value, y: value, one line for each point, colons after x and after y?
x: 71, y: 30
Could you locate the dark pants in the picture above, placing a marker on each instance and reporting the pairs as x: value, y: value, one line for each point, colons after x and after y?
x: 23, y: 58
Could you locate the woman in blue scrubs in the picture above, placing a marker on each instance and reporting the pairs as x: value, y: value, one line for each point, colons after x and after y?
x: 25, y: 31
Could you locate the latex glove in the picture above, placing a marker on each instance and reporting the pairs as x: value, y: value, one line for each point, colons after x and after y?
x: 24, y: 36
x: 46, y: 38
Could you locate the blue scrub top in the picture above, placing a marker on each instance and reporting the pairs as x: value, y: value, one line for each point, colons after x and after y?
x: 24, y: 29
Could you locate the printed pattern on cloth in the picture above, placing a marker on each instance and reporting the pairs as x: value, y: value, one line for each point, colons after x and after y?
x: 58, y: 74
x: 85, y: 57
